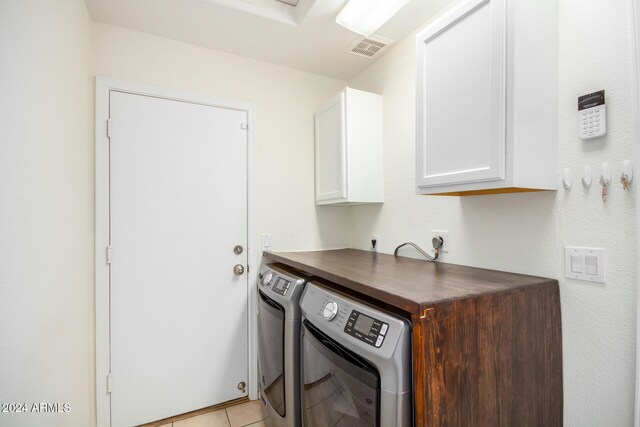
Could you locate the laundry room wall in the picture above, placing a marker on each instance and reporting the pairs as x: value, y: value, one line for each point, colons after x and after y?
x: 46, y: 213
x: 286, y: 100
x: 526, y: 233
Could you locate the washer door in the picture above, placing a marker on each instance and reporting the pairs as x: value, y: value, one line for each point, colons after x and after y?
x: 341, y: 388
x: 271, y: 351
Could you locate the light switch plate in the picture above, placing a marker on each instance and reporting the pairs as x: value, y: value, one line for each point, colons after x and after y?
x: 588, y: 264
x: 266, y: 242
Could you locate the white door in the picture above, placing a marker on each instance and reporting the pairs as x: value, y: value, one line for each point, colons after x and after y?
x: 460, y: 123
x: 178, y: 207
x: 331, y: 175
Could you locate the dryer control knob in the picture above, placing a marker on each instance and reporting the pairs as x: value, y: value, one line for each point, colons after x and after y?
x: 330, y: 310
x: 266, y: 279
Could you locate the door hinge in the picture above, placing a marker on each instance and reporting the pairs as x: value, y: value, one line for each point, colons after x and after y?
x: 109, y: 254
x: 109, y: 382
x: 244, y: 126
x: 108, y: 128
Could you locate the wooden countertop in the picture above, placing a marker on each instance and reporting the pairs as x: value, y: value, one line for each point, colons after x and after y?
x: 411, y: 285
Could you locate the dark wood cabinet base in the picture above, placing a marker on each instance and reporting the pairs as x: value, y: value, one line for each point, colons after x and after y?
x: 490, y: 361
x: 487, y: 345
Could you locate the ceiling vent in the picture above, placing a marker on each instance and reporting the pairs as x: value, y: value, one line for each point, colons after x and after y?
x: 369, y: 47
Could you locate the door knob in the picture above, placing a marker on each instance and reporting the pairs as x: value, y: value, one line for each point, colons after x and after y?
x: 238, y: 270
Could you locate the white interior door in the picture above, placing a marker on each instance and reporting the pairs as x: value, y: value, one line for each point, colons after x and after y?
x: 178, y: 207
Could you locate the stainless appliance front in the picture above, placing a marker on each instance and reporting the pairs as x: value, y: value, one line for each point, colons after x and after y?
x: 356, y: 363
x: 279, y: 291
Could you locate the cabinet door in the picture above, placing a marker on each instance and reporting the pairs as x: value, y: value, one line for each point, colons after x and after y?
x: 460, y: 122
x: 331, y: 181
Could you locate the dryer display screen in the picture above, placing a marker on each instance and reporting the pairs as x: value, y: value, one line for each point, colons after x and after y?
x: 363, y: 324
x: 282, y: 286
x: 365, y: 328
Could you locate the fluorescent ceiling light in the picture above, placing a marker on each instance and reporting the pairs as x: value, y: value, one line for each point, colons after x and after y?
x: 366, y: 16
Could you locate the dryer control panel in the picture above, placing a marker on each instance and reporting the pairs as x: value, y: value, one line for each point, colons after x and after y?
x: 281, y: 286
x: 356, y: 324
x: 366, y: 328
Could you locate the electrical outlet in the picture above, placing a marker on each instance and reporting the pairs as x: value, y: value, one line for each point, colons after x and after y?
x: 375, y: 237
x: 446, y: 245
x: 266, y: 242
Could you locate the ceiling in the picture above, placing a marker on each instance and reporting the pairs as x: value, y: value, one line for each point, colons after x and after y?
x: 304, y: 36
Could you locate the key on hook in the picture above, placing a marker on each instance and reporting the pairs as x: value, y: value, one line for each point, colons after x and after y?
x: 624, y: 179
x: 604, y: 182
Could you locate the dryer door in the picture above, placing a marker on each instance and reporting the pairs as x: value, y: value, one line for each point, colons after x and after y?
x: 271, y: 351
x: 340, y: 387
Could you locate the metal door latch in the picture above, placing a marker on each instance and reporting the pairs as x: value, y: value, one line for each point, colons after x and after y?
x: 238, y: 270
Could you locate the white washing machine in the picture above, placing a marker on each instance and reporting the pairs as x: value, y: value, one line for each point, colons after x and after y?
x: 279, y: 291
x: 356, y: 363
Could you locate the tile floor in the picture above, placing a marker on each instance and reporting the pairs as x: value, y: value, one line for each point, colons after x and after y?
x: 246, y: 414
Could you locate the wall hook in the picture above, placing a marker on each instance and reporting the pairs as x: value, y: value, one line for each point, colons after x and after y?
x: 586, y: 176
x: 567, y: 179
x: 605, y: 175
x: 626, y: 176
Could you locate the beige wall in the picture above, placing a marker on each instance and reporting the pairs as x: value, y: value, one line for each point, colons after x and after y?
x: 49, y: 52
x: 527, y: 232
x: 46, y: 210
x: 286, y: 100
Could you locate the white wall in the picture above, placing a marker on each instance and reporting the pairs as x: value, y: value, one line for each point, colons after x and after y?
x: 49, y: 53
x: 526, y: 232
x: 286, y: 100
x: 46, y: 192
x: 46, y: 210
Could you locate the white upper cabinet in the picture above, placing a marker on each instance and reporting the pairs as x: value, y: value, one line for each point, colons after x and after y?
x: 486, y: 99
x: 349, y: 166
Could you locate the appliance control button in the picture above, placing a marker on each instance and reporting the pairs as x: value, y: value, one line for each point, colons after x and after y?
x: 384, y: 328
x: 266, y: 279
x: 330, y: 310
x: 379, y: 341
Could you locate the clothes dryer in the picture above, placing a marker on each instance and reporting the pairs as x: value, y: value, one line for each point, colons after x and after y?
x: 279, y: 290
x: 356, y: 362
